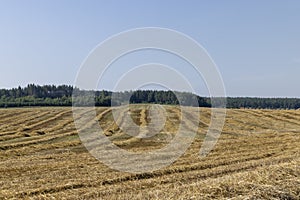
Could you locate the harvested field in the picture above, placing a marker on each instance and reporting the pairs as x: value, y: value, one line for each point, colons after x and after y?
x: 257, y: 156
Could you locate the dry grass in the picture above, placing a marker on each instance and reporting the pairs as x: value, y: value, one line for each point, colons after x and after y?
x: 256, y: 157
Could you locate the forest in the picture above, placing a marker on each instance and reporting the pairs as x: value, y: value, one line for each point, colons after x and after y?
x: 51, y: 95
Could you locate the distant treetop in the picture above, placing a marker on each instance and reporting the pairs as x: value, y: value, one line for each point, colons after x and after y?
x: 51, y: 95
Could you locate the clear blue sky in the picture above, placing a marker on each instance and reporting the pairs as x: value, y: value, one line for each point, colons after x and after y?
x: 255, y: 44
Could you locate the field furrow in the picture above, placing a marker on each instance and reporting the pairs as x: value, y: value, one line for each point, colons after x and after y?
x: 42, y: 156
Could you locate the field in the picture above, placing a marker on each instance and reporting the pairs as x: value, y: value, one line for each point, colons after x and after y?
x: 256, y: 157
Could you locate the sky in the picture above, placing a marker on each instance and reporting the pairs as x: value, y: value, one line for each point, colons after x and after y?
x: 255, y: 44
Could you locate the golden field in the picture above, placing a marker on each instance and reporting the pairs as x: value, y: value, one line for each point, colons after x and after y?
x: 256, y: 157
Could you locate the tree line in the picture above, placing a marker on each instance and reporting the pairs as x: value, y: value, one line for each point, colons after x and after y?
x: 66, y: 95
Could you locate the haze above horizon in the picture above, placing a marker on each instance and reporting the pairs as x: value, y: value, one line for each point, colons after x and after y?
x: 255, y: 44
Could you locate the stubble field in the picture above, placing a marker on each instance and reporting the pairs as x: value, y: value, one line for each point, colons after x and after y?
x: 256, y: 157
